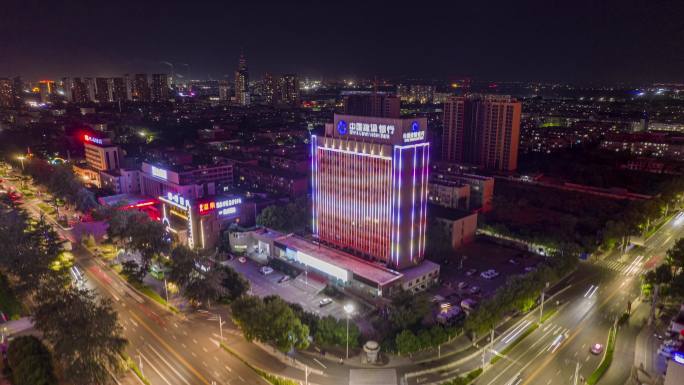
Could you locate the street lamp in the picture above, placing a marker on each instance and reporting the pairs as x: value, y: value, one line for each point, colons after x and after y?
x: 21, y: 159
x: 349, y: 309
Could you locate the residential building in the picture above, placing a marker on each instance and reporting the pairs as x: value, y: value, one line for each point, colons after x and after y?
x: 288, y: 87
x: 482, y: 130
x: 6, y: 93
x: 242, y: 82
x: 160, y: 87
x: 103, y: 92
x: 372, y: 104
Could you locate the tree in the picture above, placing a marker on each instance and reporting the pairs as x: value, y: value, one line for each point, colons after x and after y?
x: 132, y: 271
x: 270, y: 320
x: 204, y: 287
x: 407, y: 342
x: 407, y: 310
x: 30, y: 362
x: 333, y: 332
x: 183, y: 263
x: 273, y: 217
x: 85, y: 335
x: 234, y: 284
x: 675, y: 256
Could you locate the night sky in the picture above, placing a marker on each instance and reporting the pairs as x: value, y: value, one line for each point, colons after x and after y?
x: 570, y: 41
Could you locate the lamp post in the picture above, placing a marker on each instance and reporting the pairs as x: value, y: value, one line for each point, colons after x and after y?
x: 541, y: 308
x: 21, y: 159
x: 349, y: 309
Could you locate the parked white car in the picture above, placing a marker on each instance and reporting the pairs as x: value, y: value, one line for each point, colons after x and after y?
x: 265, y: 270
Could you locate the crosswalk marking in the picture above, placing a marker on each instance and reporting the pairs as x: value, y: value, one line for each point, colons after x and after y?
x: 633, y: 269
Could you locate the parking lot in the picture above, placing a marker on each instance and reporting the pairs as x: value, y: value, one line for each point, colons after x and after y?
x: 301, y: 290
x: 464, y: 271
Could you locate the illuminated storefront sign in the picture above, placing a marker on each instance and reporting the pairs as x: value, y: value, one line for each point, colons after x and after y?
x: 368, y: 130
x: 176, y: 200
x: 415, y: 135
x: 205, y: 208
x: 91, y: 139
x: 159, y: 172
x: 679, y: 357
x: 227, y: 211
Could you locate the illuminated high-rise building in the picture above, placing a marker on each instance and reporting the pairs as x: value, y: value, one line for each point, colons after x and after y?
x: 90, y: 88
x: 370, y: 185
x: 482, y: 130
x: 79, y: 91
x: 140, y: 89
x: 102, y: 90
x: 268, y: 89
x: 160, y: 87
x: 118, y: 87
x: 6, y: 93
x: 288, y: 85
x: 242, y: 82
x: 224, y: 90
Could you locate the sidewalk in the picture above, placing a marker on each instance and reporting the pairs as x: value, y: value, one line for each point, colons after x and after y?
x: 623, y: 367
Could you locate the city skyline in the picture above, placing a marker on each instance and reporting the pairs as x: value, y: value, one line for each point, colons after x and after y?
x: 580, y: 43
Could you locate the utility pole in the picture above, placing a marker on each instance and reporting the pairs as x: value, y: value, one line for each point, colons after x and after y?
x: 220, y: 326
x: 541, y: 308
x: 491, y: 341
x: 166, y: 289
x: 577, y: 367
x: 141, y: 364
x: 306, y: 375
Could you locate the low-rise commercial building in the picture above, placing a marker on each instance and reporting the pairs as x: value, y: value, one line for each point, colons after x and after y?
x: 190, y: 181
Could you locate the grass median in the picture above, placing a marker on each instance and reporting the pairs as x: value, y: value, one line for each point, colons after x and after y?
x: 132, y: 365
x: 271, y: 378
x: 607, y: 359
x: 464, y: 380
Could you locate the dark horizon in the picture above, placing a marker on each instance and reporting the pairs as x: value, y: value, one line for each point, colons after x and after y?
x: 552, y: 41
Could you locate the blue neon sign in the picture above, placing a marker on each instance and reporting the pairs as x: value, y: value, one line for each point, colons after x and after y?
x: 415, y: 126
x: 342, y: 127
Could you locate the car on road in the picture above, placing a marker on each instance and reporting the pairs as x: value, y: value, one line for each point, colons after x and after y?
x: 489, y: 274
x: 529, y: 269
x: 325, y: 302
x: 266, y: 270
x: 471, y: 272
x: 474, y: 290
x: 284, y: 278
x: 462, y: 285
x: 242, y: 259
x: 596, y: 349
x: 513, y: 261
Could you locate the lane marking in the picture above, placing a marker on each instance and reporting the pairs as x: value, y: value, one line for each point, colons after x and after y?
x: 167, y: 364
x: 172, y: 351
x: 153, y: 367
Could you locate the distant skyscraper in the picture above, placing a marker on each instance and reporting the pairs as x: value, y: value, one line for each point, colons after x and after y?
x: 242, y: 82
x: 79, y: 91
x: 6, y: 93
x: 268, y: 89
x: 160, y: 87
x: 288, y: 85
x: 141, y: 89
x: 46, y: 89
x: 90, y: 88
x: 369, y: 187
x: 224, y: 90
x: 482, y: 130
x: 372, y: 104
x: 118, y: 87
x: 103, y: 90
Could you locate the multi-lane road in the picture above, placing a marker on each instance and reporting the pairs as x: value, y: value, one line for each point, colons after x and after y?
x: 184, y: 348
x: 558, y: 351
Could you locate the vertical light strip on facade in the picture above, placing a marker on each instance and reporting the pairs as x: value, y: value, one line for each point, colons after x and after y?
x: 425, y: 200
x: 413, y: 201
x: 401, y: 163
x: 421, y: 246
x: 393, y: 205
x: 313, y: 185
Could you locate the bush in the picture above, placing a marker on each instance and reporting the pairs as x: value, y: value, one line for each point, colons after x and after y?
x: 30, y: 362
x: 464, y: 380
